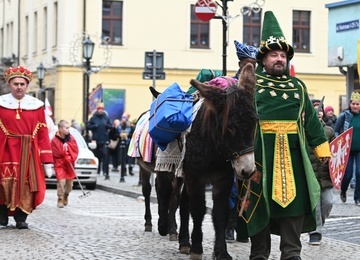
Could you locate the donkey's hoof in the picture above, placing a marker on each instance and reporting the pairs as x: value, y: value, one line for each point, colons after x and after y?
x: 148, y: 228
x: 194, y: 256
x: 184, y: 250
x: 173, y: 237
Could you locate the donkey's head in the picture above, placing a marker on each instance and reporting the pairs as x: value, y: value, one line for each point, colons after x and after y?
x: 229, y: 118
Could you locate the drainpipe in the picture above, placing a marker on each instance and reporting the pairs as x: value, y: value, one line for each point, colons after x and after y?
x: 84, y: 19
x: 18, y: 52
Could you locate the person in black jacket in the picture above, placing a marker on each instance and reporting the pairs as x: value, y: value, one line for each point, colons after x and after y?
x: 126, y: 131
x: 99, y: 124
x: 114, y: 136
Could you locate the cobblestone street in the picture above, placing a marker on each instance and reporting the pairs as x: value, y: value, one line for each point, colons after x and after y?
x: 105, y: 225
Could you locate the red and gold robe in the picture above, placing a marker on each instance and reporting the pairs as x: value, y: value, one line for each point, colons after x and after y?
x: 24, y: 147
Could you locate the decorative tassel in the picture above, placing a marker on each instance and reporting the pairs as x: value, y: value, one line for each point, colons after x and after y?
x: 17, y: 112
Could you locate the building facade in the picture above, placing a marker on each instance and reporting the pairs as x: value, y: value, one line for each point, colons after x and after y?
x: 51, y: 32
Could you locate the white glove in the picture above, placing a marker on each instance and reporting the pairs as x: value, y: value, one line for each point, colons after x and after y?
x: 49, y: 170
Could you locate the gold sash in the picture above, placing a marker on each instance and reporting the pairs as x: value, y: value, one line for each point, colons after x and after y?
x: 283, y: 190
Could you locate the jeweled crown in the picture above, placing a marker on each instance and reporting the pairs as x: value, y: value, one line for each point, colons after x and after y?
x: 355, y: 96
x: 18, y: 71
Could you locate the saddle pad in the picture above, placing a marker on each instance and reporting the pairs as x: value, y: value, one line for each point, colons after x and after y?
x: 141, y: 144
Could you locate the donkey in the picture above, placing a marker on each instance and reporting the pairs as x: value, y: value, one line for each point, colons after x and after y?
x: 219, y: 144
x: 167, y: 186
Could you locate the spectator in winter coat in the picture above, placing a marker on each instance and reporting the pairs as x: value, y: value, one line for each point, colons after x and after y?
x: 329, y: 116
x: 351, y: 118
x: 99, y: 125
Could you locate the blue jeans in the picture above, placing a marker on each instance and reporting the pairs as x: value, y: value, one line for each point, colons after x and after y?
x: 354, y: 160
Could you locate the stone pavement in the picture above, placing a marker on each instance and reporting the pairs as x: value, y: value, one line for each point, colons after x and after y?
x: 330, y: 248
x: 131, y: 188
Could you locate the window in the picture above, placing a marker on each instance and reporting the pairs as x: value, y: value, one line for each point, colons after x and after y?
x: 112, y: 20
x: 11, y: 37
x: 1, y: 42
x: 251, y: 30
x: 35, y: 33
x: 301, y: 31
x: 199, y: 37
x: 45, y: 29
x: 55, y: 24
x: 26, y: 35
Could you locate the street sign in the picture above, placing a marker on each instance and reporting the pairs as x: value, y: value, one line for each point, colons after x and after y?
x: 205, y: 10
x: 158, y: 75
x: 154, y: 60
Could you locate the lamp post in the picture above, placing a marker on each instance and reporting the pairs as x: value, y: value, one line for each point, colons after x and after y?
x: 88, y: 49
x: 41, y: 74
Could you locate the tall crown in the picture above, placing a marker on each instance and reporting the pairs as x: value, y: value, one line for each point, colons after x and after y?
x: 272, y: 38
x: 18, y: 71
x: 355, y: 96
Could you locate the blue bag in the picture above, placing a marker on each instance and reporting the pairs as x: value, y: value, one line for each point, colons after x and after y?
x: 170, y: 114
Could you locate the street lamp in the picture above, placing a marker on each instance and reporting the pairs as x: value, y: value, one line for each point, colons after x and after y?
x: 41, y: 74
x: 88, y: 49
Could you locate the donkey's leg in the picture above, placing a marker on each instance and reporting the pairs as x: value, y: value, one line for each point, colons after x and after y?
x: 196, y: 192
x: 164, y: 190
x: 173, y: 205
x: 184, y: 237
x: 220, y: 213
x: 146, y: 191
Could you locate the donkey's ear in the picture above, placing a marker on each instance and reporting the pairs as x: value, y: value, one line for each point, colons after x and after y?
x: 247, y: 79
x: 154, y: 92
x: 202, y: 87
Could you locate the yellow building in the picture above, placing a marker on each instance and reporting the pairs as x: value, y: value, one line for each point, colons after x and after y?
x: 51, y: 32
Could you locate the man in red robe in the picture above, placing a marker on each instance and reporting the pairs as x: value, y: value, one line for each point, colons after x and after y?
x: 24, y: 147
x: 65, y: 152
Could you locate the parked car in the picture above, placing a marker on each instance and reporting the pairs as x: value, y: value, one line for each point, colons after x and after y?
x: 86, y: 164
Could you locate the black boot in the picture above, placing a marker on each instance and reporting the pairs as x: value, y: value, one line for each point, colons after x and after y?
x: 131, y: 170
x: 20, y: 218
x: 4, y: 218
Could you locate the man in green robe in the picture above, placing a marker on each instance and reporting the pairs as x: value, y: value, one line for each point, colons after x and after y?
x: 284, y: 191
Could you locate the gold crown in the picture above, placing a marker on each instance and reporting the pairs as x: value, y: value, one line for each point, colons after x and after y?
x: 19, y: 71
x: 355, y: 96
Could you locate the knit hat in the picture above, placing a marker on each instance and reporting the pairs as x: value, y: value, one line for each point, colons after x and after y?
x: 272, y: 38
x: 100, y: 106
x: 245, y: 51
x: 328, y: 108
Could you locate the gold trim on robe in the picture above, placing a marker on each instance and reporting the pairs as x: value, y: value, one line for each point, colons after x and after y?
x: 284, y: 189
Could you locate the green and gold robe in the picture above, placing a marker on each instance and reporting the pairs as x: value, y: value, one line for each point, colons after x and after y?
x: 284, y: 184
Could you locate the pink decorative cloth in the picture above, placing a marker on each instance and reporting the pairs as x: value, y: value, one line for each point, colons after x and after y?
x: 222, y: 82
